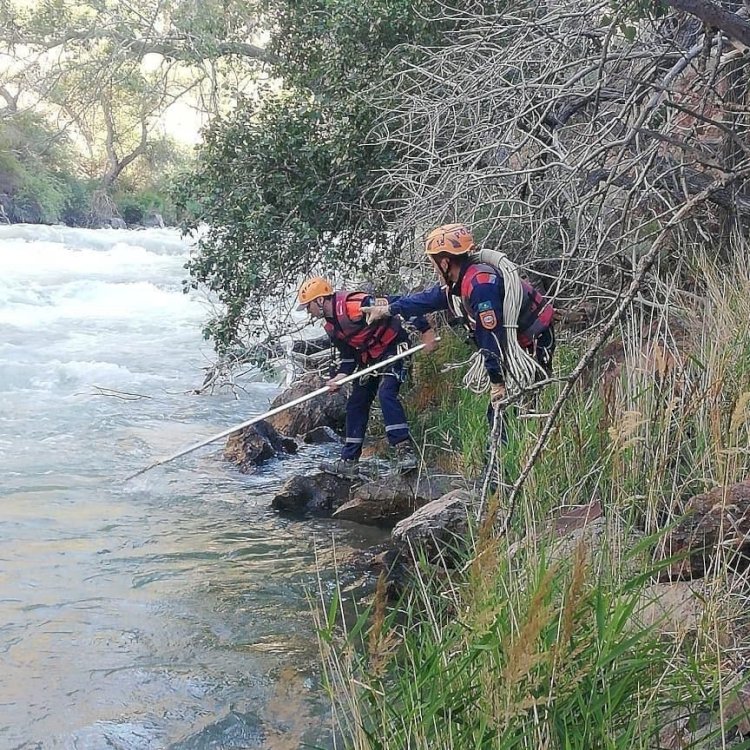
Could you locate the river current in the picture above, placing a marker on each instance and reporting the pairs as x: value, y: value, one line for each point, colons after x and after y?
x: 167, y: 612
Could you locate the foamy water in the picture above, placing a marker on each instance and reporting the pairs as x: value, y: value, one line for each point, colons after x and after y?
x: 169, y: 612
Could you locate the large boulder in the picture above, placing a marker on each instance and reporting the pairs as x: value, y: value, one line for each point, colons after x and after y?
x: 436, y: 526
x: 389, y: 499
x: 318, y: 493
x: 328, y: 409
x: 715, y: 522
x: 251, y: 446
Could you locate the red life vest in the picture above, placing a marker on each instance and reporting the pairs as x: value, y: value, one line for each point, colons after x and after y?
x: 534, y: 317
x: 371, y: 341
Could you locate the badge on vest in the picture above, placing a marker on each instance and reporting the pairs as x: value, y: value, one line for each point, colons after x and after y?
x: 488, y: 319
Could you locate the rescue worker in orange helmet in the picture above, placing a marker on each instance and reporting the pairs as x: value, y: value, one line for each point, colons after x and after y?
x: 362, y: 344
x: 475, y: 292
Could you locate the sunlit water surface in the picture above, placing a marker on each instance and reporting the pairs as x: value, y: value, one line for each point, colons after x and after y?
x: 167, y: 612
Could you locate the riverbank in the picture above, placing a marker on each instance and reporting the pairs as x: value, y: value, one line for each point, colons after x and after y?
x: 626, y: 630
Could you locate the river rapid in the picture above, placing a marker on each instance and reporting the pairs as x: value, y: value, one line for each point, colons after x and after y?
x: 167, y: 612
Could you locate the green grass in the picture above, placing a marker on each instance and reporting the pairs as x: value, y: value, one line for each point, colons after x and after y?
x: 523, y: 644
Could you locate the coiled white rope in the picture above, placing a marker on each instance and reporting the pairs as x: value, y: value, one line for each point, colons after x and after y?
x: 476, y: 378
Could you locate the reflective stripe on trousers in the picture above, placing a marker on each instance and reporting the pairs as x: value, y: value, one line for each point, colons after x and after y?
x: 386, y: 387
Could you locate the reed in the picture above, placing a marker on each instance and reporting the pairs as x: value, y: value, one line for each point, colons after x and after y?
x: 527, y: 643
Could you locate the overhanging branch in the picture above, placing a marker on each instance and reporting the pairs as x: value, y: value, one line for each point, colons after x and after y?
x: 711, y: 14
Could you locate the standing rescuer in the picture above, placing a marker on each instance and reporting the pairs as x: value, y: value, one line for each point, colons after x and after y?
x: 362, y: 344
x: 476, y: 292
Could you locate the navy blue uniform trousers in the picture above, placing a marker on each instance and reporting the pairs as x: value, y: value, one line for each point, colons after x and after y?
x: 386, y: 386
x: 544, y: 348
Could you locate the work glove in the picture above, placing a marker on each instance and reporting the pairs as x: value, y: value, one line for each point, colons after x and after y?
x: 429, y: 340
x: 497, y: 393
x: 335, y: 382
x: 377, y: 311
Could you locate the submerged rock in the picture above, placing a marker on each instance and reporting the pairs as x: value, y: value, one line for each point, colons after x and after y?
x: 236, y: 731
x: 251, y: 446
x: 318, y: 493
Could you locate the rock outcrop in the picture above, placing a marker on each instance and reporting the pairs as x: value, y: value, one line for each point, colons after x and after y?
x: 251, y: 446
x: 715, y: 522
x: 389, y: 499
x: 326, y: 410
x: 437, y: 526
x: 378, y: 502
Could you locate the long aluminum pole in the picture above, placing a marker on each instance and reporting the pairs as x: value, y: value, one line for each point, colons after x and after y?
x: 277, y: 410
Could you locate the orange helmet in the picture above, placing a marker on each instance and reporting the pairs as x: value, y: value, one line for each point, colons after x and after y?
x: 454, y: 239
x: 312, y: 289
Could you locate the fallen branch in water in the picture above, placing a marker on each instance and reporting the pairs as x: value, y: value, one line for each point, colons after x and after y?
x: 123, y: 395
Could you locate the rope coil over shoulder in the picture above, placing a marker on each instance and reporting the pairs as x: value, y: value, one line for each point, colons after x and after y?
x: 520, y: 366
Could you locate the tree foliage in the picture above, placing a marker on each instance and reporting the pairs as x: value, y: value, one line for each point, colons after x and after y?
x: 36, y: 183
x: 570, y: 134
x: 282, y: 191
x: 285, y: 184
x: 109, y: 70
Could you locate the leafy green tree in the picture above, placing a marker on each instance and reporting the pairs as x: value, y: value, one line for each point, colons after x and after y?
x: 285, y: 184
x: 108, y: 70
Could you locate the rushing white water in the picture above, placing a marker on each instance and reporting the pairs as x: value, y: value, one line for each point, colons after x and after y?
x: 169, y: 612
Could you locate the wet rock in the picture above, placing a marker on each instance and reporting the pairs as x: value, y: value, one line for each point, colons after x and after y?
x: 318, y: 493
x: 154, y: 220
x: 381, y: 559
x: 436, y: 526
x: 251, y: 446
x: 321, y: 435
x: 714, y: 522
x: 389, y: 499
x: 328, y: 409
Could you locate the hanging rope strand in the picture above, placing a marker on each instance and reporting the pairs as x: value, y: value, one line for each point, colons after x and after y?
x: 521, y: 367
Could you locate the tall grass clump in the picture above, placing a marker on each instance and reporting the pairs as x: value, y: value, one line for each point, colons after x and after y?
x: 448, y: 420
x: 533, y: 641
x: 528, y: 654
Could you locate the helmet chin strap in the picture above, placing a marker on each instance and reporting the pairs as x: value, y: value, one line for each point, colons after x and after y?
x: 442, y: 274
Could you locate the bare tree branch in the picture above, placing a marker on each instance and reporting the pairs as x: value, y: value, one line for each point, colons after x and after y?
x: 714, y: 15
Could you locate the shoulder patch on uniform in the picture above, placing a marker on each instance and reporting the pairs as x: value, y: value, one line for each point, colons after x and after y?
x: 488, y: 319
x: 482, y: 306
